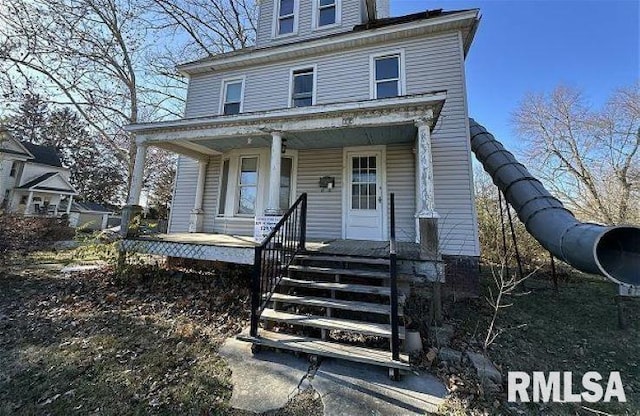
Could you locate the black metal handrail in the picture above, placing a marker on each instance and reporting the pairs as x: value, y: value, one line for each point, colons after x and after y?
x: 393, y: 277
x: 274, y: 255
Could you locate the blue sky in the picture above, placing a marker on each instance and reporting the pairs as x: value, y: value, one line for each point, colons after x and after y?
x: 532, y: 46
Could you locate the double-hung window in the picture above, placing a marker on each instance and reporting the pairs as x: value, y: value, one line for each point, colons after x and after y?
x: 286, y: 17
x: 327, y: 12
x: 387, y: 76
x: 232, y: 92
x: 248, y: 185
x: 302, y: 87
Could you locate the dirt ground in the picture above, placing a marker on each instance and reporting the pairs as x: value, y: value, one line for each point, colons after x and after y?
x: 90, y: 343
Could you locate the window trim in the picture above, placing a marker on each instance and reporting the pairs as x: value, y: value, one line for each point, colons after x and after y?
x: 373, y: 93
x: 236, y: 210
x: 276, y: 20
x: 314, y: 94
x: 315, y: 16
x: 223, y: 93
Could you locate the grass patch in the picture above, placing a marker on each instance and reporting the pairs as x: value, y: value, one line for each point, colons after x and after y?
x: 574, y: 329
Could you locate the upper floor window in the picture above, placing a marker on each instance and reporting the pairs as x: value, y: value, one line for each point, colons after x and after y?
x: 232, y: 92
x: 286, y: 22
x: 302, y: 87
x: 387, y: 75
x: 327, y: 12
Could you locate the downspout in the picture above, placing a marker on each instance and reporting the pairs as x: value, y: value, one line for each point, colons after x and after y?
x: 610, y: 251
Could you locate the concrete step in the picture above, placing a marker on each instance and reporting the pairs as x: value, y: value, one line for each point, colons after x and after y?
x: 327, y: 349
x: 342, y: 287
x: 375, y: 274
x: 323, y: 322
x: 334, y: 303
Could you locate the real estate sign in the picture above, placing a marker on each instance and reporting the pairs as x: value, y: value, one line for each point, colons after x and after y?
x: 264, y: 226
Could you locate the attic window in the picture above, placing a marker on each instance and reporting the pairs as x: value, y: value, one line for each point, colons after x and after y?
x: 327, y: 12
x: 286, y: 17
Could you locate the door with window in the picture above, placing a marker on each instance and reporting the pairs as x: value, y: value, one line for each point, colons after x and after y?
x: 365, y: 210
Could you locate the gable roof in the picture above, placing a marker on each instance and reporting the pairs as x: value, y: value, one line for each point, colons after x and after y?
x: 9, y: 145
x: 85, y: 206
x: 44, y: 155
x: 36, y: 181
x: 38, y: 184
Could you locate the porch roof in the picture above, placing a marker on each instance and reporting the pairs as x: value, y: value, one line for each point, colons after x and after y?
x: 364, y: 122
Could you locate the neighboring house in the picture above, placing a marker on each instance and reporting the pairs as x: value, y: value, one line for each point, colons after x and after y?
x: 89, y: 215
x: 33, y: 180
x: 347, y: 105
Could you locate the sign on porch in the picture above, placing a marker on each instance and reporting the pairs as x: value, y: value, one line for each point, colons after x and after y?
x: 263, y: 226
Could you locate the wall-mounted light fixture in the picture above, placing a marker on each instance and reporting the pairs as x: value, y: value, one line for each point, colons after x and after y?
x: 284, y: 146
x: 327, y: 182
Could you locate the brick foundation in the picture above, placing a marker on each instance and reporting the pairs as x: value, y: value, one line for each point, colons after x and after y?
x: 462, y: 276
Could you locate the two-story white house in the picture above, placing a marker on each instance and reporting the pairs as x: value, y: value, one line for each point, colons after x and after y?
x: 33, y: 180
x: 346, y: 105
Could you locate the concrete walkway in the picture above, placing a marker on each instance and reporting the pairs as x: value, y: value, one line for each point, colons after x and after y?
x: 267, y: 380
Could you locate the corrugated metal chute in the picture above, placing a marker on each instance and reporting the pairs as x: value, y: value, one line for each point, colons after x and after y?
x: 613, y: 252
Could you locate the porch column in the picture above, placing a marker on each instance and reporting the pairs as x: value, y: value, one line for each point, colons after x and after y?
x: 273, y: 204
x: 426, y: 215
x: 197, y: 213
x: 137, y: 175
x: 27, y: 208
x: 69, y: 204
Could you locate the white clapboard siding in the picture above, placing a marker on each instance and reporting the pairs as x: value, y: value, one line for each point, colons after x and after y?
x: 401, y: 181
x: 324, y: 212
x: 432, y: 63
x: 184, y: 195
x: 351, y: 16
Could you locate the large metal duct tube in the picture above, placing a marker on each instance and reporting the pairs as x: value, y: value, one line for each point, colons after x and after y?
x: 613, y: 252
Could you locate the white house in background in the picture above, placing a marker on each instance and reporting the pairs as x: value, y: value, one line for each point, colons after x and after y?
x: 346, y: 105
x: 32, y: 178
x: 89, y: 215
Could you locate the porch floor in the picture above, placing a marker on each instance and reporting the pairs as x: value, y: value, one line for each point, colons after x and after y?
x: 360, y: 248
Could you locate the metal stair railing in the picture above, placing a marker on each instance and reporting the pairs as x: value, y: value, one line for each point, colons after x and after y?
x: 274, y: 255
x: 393, y: 278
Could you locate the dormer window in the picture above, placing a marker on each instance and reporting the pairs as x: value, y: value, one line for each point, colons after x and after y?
x: 286, y: 23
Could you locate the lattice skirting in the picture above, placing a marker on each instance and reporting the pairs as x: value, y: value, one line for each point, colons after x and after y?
x: 238, y: 255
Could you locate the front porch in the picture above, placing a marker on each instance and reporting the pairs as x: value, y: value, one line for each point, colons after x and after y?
x: 241, y: 249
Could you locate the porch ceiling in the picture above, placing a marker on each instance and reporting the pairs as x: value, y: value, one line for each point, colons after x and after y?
x: 359, y: 136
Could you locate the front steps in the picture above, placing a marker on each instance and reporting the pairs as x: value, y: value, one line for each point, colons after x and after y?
x: 333, y: 306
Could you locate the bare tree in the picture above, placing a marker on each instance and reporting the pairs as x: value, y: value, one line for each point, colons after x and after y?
x: 113, y: 60
x: 589, y: 158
